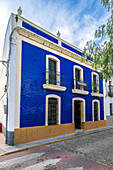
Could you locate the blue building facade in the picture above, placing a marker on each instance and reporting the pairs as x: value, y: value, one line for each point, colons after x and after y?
x: 54, y: 92
x: 33, y: 94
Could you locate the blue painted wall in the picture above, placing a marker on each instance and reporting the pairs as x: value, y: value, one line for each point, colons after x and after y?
x: 33, y: 96
x: 71, y: 49
x: 29, y: 27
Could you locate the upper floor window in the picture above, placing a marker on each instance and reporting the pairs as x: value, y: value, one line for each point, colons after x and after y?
x: 97, y: 89
x: 110, y: 89
x: 54, y: 80
x: 78, y: 78
x: 95, y: 82
x: 80, y: 86
x: 52, y: 72
x: 111, y: 108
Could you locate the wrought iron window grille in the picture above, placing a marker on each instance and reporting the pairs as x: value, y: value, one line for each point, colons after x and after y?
x: 54, y: 78
x: 80, y: 84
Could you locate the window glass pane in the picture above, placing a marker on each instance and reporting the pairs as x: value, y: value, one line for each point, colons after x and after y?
x: 77, y: 78
x: 111, y: 108
x: 52, y: 72
x: 94, y: 83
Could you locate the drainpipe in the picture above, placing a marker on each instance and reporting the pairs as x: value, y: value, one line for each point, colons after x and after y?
x: 10, y: 38
x: 7, y: 100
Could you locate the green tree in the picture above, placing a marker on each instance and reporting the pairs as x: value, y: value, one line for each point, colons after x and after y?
x: 102, y: 55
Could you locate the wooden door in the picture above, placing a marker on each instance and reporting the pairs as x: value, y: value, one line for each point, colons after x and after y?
x: 95, y: 111
x: 77, y: 114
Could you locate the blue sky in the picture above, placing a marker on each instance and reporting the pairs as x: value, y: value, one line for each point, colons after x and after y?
x: 75, y: 19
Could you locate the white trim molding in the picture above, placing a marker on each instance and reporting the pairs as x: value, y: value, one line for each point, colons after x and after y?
x: 82, y: 109
x: 78, y: 91
x: 97, y: 94
x: 54, y: 87
x: 50, y: 46
x: 98, y: 108
x: 59, y: 108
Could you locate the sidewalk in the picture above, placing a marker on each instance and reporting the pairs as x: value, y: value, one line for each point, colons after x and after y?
x: 6, y: 149
x: 2, y: 143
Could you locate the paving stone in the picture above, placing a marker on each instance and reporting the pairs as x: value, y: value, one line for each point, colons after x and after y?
x: 97, y: 147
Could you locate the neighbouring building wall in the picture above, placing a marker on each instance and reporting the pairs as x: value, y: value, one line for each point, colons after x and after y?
x: 7, y: 80
x: 109, y: 98
x: 3, y: 96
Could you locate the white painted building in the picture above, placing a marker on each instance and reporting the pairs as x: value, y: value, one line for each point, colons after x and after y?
x: 109, y: 97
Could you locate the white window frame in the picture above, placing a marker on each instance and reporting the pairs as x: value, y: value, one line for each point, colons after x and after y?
x: 83, y: 109
x: 81, y: 73
x: 98, y: 109
x: 48, y: 86
x: 97, y: 80
x: 51, y: 57
x: 75, y: 90
x: 59, y: 108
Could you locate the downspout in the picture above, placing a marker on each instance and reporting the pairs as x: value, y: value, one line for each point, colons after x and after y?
x: 7, y: 99
x: 10, y: 39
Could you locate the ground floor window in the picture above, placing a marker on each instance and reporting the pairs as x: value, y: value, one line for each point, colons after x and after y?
x: 111, y: 108
x: 96, y: 110
x: 52, y: 111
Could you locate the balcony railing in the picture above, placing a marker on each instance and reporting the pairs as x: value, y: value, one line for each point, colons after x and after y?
x: 54, y: 78
x: 80, y: 84
x: 110, y: 92
x: 97, y: 89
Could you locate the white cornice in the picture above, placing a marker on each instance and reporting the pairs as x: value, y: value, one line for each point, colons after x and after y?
x: 47, y: 32
x: 37, y: 38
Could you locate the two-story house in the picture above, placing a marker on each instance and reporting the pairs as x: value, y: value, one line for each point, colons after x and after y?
x: 48, y: 90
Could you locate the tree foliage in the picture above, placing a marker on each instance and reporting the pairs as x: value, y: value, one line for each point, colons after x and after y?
x: 102, y: 55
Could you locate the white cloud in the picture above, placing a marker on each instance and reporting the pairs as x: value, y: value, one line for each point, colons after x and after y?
x: 76, y: 22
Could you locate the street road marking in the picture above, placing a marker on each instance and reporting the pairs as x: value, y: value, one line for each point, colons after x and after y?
x: 20, y: 160
x: 43, y: 165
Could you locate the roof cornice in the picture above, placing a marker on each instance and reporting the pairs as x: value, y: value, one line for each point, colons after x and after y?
x: 39, y: 39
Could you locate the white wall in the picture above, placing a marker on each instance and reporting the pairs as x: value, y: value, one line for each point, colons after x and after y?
x: 9, y: 52
x: 108, y: 99
x: 3, y: 80
x: 11, y: 87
